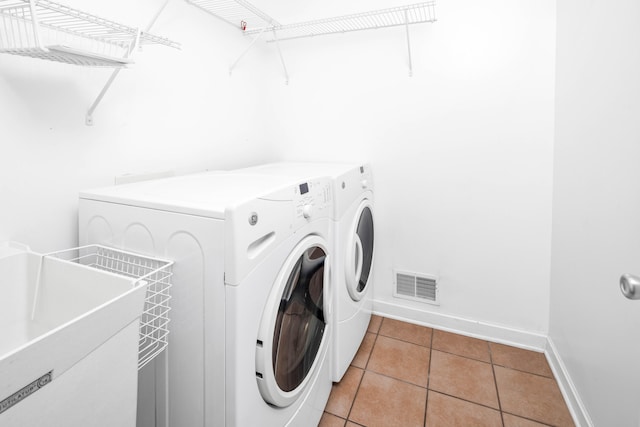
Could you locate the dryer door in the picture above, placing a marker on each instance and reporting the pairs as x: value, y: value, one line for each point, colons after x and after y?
x: 359, y: 255
x: 293, y: 331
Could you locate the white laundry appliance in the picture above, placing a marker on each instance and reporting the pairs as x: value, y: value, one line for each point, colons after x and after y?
x: 353, y: 239
x: 249, y: 332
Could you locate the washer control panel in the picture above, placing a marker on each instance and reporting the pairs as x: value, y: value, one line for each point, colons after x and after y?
x: 313, y: 199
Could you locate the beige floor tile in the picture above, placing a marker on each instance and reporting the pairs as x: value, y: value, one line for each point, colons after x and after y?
x: 362, y: 356
x: 329, y: 420
x: 520, y: 359
x: 374, y: 324
x: 387, y: 402
x: 447, y: 411
x: 401, y: 360
x: 461, y: 345
x: 532, y: 396
x: 464, y: 378
x: 351, y: 424
x: 343, y: 393
x: 409, y: 332
x: 513, y: 421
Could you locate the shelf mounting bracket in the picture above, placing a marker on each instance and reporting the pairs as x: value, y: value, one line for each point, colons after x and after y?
x: 114, y: 74
x: 406, y: 25
x: 284, y: 66
x: 255, y: 39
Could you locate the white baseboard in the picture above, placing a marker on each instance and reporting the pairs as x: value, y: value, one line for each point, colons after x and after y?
x: 571, y: 397
x: 491, y: 332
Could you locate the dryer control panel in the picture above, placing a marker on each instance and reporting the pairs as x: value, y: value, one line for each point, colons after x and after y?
x: 313, y: 199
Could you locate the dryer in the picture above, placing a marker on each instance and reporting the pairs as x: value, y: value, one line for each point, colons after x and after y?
x: 353, y: 243
x: 250, y: 332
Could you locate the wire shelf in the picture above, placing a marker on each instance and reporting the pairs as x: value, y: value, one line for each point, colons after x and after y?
x: 403, y: 15
x: 153, y: 273
x: 239, y: 13
x: 47, y: 30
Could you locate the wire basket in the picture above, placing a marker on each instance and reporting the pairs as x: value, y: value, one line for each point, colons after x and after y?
x: 153, y: 273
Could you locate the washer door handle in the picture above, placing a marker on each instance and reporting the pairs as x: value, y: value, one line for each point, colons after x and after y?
x: 359, y: 253
x: 630, y: 286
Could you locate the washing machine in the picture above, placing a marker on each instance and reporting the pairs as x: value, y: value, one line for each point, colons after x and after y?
x: 353, y: 243
x: 250, y: 329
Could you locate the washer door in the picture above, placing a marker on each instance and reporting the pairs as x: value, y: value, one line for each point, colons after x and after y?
x: 359, y: 256
x: 292, y: 332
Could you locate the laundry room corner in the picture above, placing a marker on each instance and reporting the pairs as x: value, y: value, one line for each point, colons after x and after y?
x: 273, y: 212
x: 478, y: 108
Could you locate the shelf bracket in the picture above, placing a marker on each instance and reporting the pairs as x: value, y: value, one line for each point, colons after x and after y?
x: 284, y: 66
x: 406, y: 25
x: 114, y: 74
x: 255, y: 39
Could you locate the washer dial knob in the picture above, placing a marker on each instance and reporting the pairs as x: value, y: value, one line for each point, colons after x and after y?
x: 307, y: 210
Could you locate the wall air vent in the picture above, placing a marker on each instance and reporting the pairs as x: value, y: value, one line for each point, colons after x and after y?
x: 415, y: 286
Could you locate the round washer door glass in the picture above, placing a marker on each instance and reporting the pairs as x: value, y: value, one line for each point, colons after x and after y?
x: 360, y: 252
x: 297, y: 333
x: 300, y: 322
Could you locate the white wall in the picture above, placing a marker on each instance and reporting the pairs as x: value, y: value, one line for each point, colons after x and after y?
x: 461, y: 152
x: 173, y: 110
x: 596, y: 231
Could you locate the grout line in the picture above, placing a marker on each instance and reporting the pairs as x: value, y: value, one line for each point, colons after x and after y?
x: 375, y: 340
x: 408, y: 342
x: 465, y: 357
x: 464, y: 400
x: 334, y: 415
x: 426, y: 403
x: 525, y: 372
x: 364, y: 371
x: 528, y: 419
x: 397, y: 379
x: 495, y: 383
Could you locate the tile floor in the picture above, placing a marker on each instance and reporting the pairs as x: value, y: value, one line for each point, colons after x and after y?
x: 409, y: 375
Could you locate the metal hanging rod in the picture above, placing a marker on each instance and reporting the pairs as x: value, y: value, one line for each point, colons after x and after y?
x: 397, y: 16
x: 238, y: 13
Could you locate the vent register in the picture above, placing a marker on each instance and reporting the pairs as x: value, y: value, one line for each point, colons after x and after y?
x: 416, y: 287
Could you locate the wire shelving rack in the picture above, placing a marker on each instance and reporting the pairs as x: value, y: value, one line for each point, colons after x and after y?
x: 398, y: 16
x: 252, y: 21
x: 238, y: 13
x: 48, y: 30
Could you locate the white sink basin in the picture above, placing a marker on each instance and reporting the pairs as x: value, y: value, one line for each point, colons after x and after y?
x: 53, y: 314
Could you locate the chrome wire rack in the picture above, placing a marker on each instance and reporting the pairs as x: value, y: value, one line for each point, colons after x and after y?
x: 47, y: 30
x: 153, y: 273
x: 239, y: 13
x: 398, y: 16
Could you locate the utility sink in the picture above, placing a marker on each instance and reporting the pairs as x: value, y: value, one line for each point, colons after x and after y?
x: 57, y: 316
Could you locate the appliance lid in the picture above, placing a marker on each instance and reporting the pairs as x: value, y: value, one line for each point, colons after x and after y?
x: 302, y: 170
x: 204, y: 194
